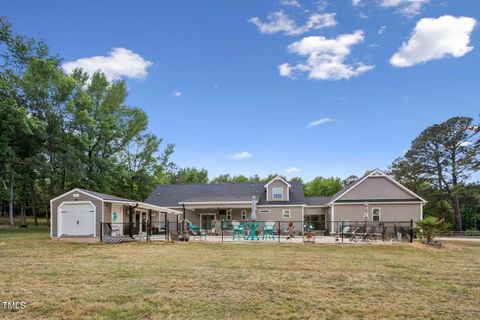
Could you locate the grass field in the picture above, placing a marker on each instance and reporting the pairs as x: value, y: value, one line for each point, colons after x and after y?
x: 215, y: 281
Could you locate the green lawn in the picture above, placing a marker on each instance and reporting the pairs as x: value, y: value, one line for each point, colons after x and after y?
x: 216, y: 281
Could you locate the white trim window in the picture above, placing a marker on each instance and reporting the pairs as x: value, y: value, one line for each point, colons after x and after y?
x: 277, y: 193
x: 243, y: 215
x: 264, y: 211
x: 376, y: 213
x: 286, y: 214
x: 229, y: 215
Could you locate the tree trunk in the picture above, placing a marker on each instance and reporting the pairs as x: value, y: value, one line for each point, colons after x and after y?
x: 22, y: 214
x: 10, y: 205
x: 46, y: 200
x: 34, y: 209
x: 458, y: 216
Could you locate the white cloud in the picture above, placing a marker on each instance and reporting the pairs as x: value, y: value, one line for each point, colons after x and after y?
x: 290, y: 3
x: 177, y: 93
x: 292, y: 170
x: 281, y: 22
x: 435, y: 39
x: 241, y: 155
x: 408, y: 8
x: 326, y: 57
x: 356, y: 2
x: 465, y: 143
x: 381, y: 30
x: 119, y: 63
x: 319, y: 122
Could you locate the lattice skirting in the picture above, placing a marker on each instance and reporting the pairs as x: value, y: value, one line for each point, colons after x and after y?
x: 117, y: 239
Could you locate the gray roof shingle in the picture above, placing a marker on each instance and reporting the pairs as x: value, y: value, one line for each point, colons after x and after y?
x: 171, y: 195
x: 105, y: 196
x: 317, y: 201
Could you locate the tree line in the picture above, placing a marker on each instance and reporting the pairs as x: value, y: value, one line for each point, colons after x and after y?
x: 60, y: 131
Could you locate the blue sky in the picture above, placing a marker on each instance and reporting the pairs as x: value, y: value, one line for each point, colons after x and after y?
x: 208, y: 75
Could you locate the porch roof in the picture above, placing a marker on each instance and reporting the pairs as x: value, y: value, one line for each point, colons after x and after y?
x: 148, y: 206
x: 219, y: 199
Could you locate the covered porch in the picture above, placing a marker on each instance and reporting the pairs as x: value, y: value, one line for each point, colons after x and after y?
x: 128, y: 221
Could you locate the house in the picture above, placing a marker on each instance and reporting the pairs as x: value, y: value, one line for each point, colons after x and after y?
x: 375, y: 194
x: 78, y: 213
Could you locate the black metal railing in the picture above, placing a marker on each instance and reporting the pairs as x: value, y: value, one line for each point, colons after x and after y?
x: 146, y: 230
x: 271, y: 230
x: 372, y: 230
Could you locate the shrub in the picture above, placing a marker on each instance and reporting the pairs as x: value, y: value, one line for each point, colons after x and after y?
x: 430, y: 227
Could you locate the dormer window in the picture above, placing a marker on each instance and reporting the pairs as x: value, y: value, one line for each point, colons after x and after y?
x: 278, y: 189
x: 277, y: 193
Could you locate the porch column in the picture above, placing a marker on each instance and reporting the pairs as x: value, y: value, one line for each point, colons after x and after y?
x: 332, y: 216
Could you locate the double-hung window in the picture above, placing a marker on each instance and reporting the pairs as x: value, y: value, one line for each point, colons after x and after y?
x: 244, y: 215
x: 376, y: 214
x: 229, y: 215
x: 286, y: 214
x: 277, y: 193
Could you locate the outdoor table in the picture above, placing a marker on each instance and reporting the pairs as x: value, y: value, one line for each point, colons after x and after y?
x: 252, y: 225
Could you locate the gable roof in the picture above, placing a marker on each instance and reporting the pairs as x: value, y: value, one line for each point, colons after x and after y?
x: 373, y: 173
x: 172, y: 195
x: 111, y: 198
x: 278, y: 178
x: 97, y: 195
x: 106, y: 197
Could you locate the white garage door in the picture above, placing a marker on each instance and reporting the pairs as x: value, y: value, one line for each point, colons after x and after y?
x: 77, y: 219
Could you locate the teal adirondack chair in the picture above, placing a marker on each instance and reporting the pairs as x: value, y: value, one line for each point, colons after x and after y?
x: 237, y: 230
x: 268, y: 231
x: 196, y: 231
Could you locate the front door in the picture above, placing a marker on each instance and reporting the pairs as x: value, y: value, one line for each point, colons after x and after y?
x: 206, y: 221
x: 117, y: 218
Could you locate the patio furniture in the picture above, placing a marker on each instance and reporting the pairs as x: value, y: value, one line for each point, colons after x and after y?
x: 308, y: 227
x: 237, y: 230
x: 114, y: 231
x: 252, y: 226
x: 268, y: 230
x: 196, y: 231
x: 373, y: 234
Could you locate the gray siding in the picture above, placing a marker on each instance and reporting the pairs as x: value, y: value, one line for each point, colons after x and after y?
x: 189, y: 215
x: 107, y: 212
x: 314, y: 211
x: 276, y: 213
x: 69, y: 198
x: 376, y: 188
x: 388, y: 212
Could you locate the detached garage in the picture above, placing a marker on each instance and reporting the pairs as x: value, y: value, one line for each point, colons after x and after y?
x: 76, y: 219
x: 78, y: 213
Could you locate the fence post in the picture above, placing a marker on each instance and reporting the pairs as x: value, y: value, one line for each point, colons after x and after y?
x: 221, y: 227
x: 279, y: 231
x: 341, y: 230
x: 411, y: 230
x: 167, y: 231
x: 148, y: 230
x: 101, y: 231
x: 383, y: 232
x: 177, y: 223
x: 165, y: 222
